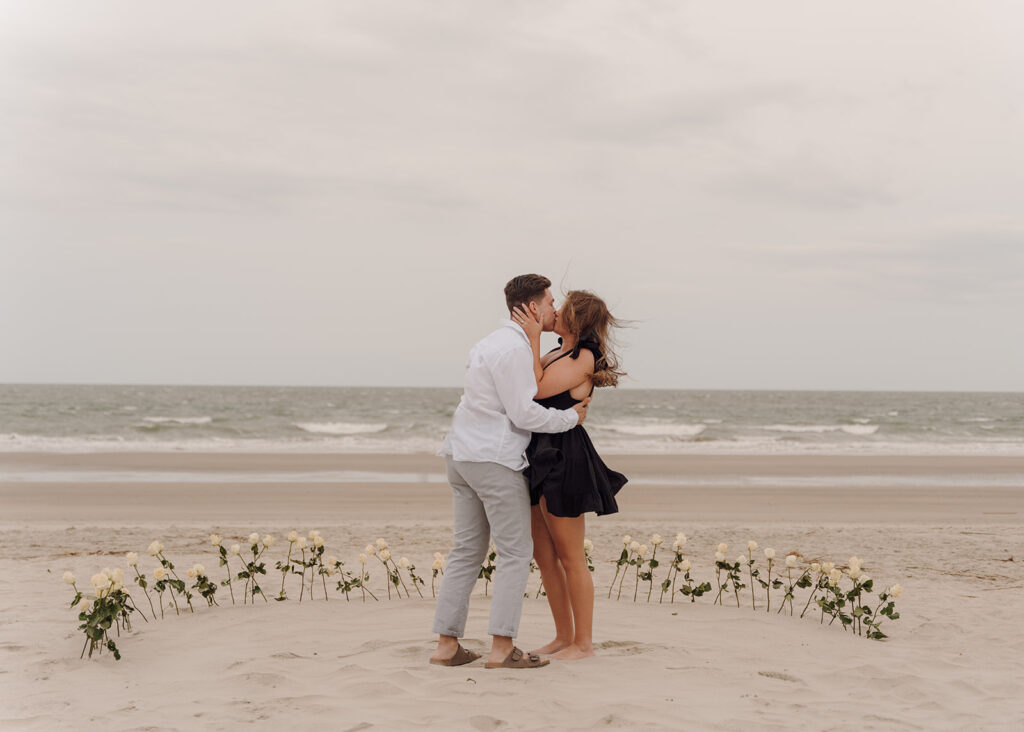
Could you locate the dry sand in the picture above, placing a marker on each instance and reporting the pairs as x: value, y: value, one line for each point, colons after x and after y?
x: 953, y: 660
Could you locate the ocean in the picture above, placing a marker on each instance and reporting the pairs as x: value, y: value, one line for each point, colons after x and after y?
x: 69, y: 418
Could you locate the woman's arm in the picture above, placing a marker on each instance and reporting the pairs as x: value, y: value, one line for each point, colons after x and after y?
x: 566, y: 374
x: 532, y: 327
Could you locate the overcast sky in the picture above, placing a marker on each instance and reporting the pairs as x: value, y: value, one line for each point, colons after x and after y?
x: 791, y: 195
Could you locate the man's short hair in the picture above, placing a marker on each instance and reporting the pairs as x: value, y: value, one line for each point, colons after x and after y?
x: 524, y: 289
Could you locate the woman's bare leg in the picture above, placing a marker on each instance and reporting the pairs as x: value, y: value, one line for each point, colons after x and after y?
x: 567, y: 535
x: 554, y: 583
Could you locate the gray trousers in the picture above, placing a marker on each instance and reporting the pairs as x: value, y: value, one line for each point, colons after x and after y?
x: 490, y: 501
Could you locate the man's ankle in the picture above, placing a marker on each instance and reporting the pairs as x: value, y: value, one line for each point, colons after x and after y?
x: 502, y: 645
x: 447, y: 641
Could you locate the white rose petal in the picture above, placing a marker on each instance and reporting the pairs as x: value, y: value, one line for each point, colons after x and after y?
x: 855, y: 572
x: 83, y: 605
x: 751, y: 546
x: 269, y: 540
x: 895, y: 591
x: 132, y: 559
x: 438, y: 564
x: 643, y: 550
x: 68, y: 578
x: 719, y: 557
x: 791, y: 560
x: 99, y: 580
x: 215, y: 539
x: 827, y: 567
x: 681, y: 540
x: 318, y: 541
x: 370, y: 549
x: 656, y: 539
x: 834, y: 576
x: 769, y: 553
x: 331, y: 560
x: 588, y: 546
x: 634, y: 546
x: 300, y: 543
x: 385, y: 555
x: 313, y: 534
x: 155, y: 548
x: 381, y: 544
x: 815, y: 567
x: 626, y: 539
x: 117, y: 575
x: 293, y: 536
x: 438, y: 555
x: 403, y: 563
x: 855, y: 562
x: 363, y: 558
x: 236, y: 549
x: 254, y: 538
x: 723, y: 548
x: 160, y: 574
x: 191, y: 573
x: 742, y: 559
x: 685, y: 565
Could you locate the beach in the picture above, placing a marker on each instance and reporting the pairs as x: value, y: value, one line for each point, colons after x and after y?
x: 948, y: 529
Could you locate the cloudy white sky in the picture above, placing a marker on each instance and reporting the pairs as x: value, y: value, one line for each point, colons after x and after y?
x: 793, y: 195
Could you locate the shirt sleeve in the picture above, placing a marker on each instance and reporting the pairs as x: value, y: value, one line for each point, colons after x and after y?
x: 516, y: 386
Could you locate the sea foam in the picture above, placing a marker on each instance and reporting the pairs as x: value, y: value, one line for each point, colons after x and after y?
x: 341, y: 428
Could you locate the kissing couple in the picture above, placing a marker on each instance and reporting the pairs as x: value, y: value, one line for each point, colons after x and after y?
x: 524, y: 472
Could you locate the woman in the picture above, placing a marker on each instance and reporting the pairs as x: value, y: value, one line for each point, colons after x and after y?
x: 567, y: 477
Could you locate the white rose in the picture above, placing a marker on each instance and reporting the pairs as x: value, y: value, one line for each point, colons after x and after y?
x: 769, y: 553
x: 834, y: 576
x: 895, y: 591
x: 681, y: 540
x: 132, y: 559
x: 68, y: 578
x: 855, y: 573
x: 719, y: 557
x: 118, y: 576
x: 83, y: 605
x: 742, y: 559
x: 99, y: 580
x: 815, y: 567
x: 685, y: 565
x: 439, y: 556
x: 864, y: 579
x: 363, y: 558
x: 293, y: 536
x: 300, y: 543
x: 723, y: 548
x: 370, y: 550
x: 403, y: 563
x: 313, y: 533
x: 254, y: 538
x: 269, y: 540
x: 331, y: 560
x: 588, y: 546
x: 236, y: 549
x: 791, y: 560
x: 318, y: 541
x: 634, y: 546
x: 438, y: 564
x: 827, y: 567
x: 332, y: 570
x: 855, y: 562
x: 751, y: 546
x: 643, y: 550
x: 626, y: 539
x: 160, y: 574
x: 155, y: 548
x: 215, y: 539
x: 656, y: 539
x: 381, y: 544
x: 192, y: 573
x: 385, y: 555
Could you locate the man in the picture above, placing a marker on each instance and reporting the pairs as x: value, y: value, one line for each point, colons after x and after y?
x: 484, y: 459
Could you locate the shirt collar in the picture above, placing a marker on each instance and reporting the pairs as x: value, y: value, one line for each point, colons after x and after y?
x: 509, y: 323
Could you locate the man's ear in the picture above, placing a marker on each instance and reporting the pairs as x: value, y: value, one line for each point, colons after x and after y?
x: 533, y: 308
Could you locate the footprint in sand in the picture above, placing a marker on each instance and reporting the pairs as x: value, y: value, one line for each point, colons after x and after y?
x: 780, y: 676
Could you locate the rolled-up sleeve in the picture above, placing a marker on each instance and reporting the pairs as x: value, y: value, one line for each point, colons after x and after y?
x: 517, y: 386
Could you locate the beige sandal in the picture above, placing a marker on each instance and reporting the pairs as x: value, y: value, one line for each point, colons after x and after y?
x: 518, y: 659
x: 461, y: 658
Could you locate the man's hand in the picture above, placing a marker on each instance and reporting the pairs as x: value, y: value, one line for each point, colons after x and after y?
x: 528, y: 322
x: 581, y: 409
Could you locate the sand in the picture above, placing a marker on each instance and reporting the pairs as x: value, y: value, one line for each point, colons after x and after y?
x: 953, y: 661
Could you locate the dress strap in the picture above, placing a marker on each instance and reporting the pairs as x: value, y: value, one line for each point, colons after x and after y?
x: 567, y: 353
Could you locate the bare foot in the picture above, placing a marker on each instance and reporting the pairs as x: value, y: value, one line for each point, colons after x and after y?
x: 553, y: 647
x: 574, y: 653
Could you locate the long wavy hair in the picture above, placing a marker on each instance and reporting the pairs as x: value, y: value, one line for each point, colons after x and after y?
x: 585, y: 315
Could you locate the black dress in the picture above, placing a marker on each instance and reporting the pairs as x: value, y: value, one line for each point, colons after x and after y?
x: 565, y: 468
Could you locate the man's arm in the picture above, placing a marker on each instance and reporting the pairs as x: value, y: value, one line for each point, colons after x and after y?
x: 516, y: 387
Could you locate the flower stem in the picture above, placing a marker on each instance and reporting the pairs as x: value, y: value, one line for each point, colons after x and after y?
x: 287, y: 569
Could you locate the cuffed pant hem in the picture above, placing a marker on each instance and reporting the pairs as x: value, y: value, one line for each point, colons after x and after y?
x: 504, y: 632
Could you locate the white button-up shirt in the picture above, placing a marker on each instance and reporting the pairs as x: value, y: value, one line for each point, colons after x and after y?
x: 496, y: 415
